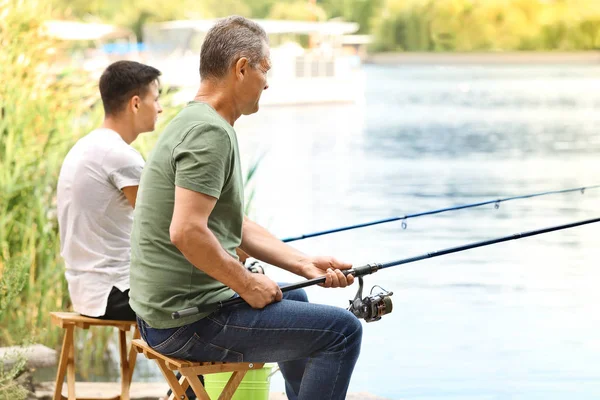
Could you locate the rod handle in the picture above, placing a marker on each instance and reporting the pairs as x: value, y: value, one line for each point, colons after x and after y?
x: 186, y: 312
x: 358, y: 271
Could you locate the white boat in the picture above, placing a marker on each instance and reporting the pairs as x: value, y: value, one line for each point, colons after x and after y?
x: 325, y: 70
x: 91, y: 46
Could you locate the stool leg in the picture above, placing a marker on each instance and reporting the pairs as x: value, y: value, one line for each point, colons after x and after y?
x: 71, y: 365
x: 196, y: 385
x: 62, y: 363
x: 232, y: 385
x: 133, y: 353
x: 125, y: 376
x: 183, y: 381
x: 178, y: 391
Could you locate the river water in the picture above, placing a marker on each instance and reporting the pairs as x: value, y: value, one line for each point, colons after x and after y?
x: 511, y: 321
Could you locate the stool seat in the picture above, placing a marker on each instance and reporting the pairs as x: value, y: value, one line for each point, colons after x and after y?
x: 61, y: 319
x: 66, y: 365
x: 190, y: 370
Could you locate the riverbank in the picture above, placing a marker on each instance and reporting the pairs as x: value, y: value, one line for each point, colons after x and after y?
x: 571, y: 58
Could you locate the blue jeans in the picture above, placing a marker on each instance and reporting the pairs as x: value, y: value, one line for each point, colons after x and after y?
x: 316, y: 346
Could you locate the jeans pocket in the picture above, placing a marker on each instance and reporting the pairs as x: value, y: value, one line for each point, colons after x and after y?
x: 198, y: 350
x: 165, y: 341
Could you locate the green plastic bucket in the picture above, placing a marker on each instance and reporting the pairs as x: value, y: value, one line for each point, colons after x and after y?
x: 254, y: 386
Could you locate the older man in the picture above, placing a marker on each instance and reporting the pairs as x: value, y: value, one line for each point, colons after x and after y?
x: 189, y: 220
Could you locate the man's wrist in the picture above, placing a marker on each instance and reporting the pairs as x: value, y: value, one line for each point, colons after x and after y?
x: 303, y: 265
x: 241, y: 282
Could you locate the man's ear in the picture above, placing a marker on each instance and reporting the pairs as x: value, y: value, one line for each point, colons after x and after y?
x: 241, y: 68
x: 134, y: 104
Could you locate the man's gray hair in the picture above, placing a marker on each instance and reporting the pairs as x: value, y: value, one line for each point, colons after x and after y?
x: 229, y: 40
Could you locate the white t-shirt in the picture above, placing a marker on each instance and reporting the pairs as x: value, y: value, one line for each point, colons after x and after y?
x: 95, y: 217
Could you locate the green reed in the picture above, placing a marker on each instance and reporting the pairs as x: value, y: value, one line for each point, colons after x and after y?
x: 42, y: 113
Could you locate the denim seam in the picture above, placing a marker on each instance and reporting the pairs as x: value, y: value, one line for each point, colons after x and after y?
x: 219, y: 348
x: 170, y: 354
x: 338, y: 371
x: 273, y: 329
x: 167, y: 340
x: 286, y: 329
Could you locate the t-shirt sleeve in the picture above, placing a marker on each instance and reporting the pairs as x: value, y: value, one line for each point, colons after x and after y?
x: 202, y: 160
x: 123, y: 167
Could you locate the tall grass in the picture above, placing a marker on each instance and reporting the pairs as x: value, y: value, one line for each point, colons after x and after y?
x: 11, y: 283
x: 46, y: 105
x: 42, y: 113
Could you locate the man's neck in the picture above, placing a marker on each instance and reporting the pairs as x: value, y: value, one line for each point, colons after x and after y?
x: 123, y: 128
x: 217, y: 96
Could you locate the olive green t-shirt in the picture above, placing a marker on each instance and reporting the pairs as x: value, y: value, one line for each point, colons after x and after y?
x: 198, y: 151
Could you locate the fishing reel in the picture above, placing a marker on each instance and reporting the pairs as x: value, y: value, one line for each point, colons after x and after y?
x: 372, y: 307
x: 254, y: 266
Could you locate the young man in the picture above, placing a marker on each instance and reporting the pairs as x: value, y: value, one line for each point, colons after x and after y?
x: 189, y: 221
x: 97, y: 190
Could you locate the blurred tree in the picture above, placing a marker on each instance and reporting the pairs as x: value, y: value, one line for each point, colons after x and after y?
x: 402, y: 25
x: 445, y: 22
x: 487, y: 25
x: 360, y: 11
x: 301, y: 10
x: 134, y: 13
x: 262, y: 8
x: 407, y: 25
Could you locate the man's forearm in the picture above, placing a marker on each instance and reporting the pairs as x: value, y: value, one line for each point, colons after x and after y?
x: 200, y: 246
x: 261, y: 244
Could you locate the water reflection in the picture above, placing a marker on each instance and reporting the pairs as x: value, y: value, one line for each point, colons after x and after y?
x: 514, y: 320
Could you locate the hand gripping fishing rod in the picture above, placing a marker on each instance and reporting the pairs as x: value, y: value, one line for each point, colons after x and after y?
x: 373, y: 307
x: 495, y: 202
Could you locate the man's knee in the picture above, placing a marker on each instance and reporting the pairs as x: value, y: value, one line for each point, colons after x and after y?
x: 349, y: 331
x: 354, y: 327
x: 296, y: 295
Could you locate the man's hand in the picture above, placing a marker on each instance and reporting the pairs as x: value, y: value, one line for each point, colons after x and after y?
x: 331, y: 268
x: 260, y: 291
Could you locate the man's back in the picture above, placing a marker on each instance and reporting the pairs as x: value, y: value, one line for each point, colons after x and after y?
x: 185, y: 155
x: 95, y: 217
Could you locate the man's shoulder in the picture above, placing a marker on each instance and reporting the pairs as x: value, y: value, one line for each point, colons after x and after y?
x: 87, y: 148
x: 189, y: 127
x: 103, y: 153
x: 112, y: 150
x: 100, y: 140
x: 201, y: 117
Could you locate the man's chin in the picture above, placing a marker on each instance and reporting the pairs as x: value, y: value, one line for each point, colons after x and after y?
x: 252, y: 111
x: 148, y: 129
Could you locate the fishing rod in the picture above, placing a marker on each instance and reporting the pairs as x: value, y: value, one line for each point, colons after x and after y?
x: 373, y: 307
x: 496, y: 203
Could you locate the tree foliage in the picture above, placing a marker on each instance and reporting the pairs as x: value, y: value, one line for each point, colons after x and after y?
x: 400, y: 25
x: 487, y: 25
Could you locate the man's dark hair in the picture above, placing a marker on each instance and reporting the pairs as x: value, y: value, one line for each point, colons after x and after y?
x: 122, y: 80
x: 227, y: 41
